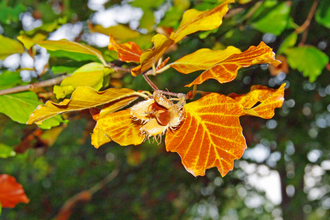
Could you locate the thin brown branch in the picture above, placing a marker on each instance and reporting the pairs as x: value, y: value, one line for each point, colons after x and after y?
x: 151, y: 84
x: 49, y: 82
x: 305, y: 25
x: 84, y: 196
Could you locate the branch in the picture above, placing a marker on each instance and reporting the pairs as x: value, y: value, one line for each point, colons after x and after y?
x: 49, y: 82
x: 305, y: 25
x: 84, y: 196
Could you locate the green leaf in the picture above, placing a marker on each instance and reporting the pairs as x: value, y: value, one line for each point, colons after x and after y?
x: 323, y: 14
x: 0, y: 208
x: 9, y: 14
x: 19, y: 107
x: 288, y: 42
x: 307, y: 59
x: 147, y: 3
x: 91, y: 74
x: 9, y: 46
x: 71, y: 47
x: 271, y: 17
x: 6, y: 151
x: 9, y: 79
x: 74, y: 56
x: 148, y: 19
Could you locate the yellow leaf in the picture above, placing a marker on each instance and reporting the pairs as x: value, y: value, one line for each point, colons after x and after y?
x: 119, y: 127
x: 194, y: 20
x: 269, y: 99
x: 71, y: 47
x: 90, y: 74
x: 151, y: 56
x: 83, y: 97
x: 116, y: 105
x: 226, y: 70
x: 210, y: 135
x: 9, y: 46
x: 118, y: 31
x: 203, y: 59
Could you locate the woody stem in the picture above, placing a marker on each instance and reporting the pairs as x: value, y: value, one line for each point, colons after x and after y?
x: 153, y: 86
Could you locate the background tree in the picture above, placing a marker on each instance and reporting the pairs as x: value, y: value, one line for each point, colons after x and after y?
x: 63, y: 175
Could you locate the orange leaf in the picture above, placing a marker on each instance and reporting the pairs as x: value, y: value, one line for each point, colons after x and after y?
x: 151, y: 56
x: 118, y: 127
x: 116, y: 105
x: 193, y: 21
x: 83, y: 97
x: 11, y: 192
x: 210, y: 136
x: 129, y: 51
x: 269, y: 100
x: 226, y: 70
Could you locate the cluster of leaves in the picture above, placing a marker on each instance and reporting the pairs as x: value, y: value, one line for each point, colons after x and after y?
x: 206, y: 133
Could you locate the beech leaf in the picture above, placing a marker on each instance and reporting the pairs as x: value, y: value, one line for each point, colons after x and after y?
x: 90, y: 74
x: 193, y: 21
x: 119, y: 127
x: 203, y: 59
x: 129, y: 51
x: 226, y: 70
x: 9, y: 46
x: 71, y: 47
x: 210, y: 136
x: 269, y: 99
x: 83, y: 97
x: 19, y: 106
x: 307, y: 59
x: 11, y: 192
x: 151, y: 56
x: 118, y: 31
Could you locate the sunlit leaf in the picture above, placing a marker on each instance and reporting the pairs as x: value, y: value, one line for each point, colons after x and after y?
x: 129, y: 51
x: 210, y: 136
x: 9, y: 46
x: 118, y: 32
x: 226, y: 70
x: 261, y: 101
x: 71, y: 47
x: 203, y: 59
x: 11, y: 192
x: 307, y: 59
x: 271, y: 17
x: 116, y: 105
x: 83, y: 97
x: 91, y: 74
x: 19, y: 106
x: 119, y: 127
x: 193, y: 20
x: 151, y: 56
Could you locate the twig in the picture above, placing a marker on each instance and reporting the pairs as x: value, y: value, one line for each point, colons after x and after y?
x: 84, y: 196
x: 305, y: 25
x: 49, y: 82
x: 151, y: 84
